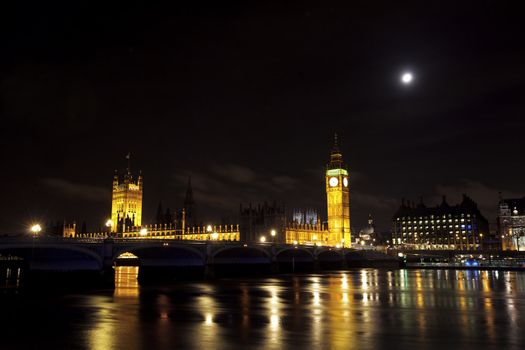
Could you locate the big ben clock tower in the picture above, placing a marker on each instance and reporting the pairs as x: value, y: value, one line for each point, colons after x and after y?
x: 338, y: 199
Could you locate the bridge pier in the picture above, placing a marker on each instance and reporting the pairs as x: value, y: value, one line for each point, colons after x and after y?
x: 108, y: 269
x: 316, y: 265
x: 344, y: 262
x: 107, y: 276
x: 209, y: 268
x: 209, y: 272
x: 274, y: 266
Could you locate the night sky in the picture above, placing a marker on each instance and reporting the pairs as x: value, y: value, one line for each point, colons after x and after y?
x: 246, y: 98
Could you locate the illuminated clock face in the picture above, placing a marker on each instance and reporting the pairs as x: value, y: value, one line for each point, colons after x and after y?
x: 333, y: 181
x: 345, y: 182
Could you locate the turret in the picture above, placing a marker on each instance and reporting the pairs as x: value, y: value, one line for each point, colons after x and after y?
x: 126, y: 206
x: 336, y: 157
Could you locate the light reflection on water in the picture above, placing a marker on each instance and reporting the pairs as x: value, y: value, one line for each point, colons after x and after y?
x: 360, y: 309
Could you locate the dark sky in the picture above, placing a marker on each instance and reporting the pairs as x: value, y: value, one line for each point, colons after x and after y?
x: 245, y: 98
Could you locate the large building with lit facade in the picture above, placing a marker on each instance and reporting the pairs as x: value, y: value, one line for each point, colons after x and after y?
x: 337, y: 232
x: 126, y: 202
x: 511, y: 223
x: 262, y: 223
x: 457, y: 227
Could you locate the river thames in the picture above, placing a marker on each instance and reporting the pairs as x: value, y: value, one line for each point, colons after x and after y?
x: 355, y: 309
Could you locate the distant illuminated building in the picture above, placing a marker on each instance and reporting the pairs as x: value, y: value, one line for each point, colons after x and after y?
x: 126, y: 204
x: 69, y: 230
x: 511, y: 223
x: 308, y: 216
x: 258, y: 220
x: 189, y: 212
x: 338, y: 232
x: 338, y: 197
x: 262, y: 223
x: 458, y: 227
x: 367, y: 235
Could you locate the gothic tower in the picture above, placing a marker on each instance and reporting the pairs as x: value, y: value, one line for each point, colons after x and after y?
x: 126, y: 204
x: 190, y: 217
x: 338, y: 198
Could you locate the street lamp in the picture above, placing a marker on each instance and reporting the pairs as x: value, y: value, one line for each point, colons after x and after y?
x: 262, y: 239
x: 109, y: 224
x: 143, y: 232
x: 214, y: 236
x: 273, y: 233
x: 481, y: 241
x: 35, y: 229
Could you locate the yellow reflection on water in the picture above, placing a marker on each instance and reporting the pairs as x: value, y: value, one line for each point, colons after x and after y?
x: 273, y: 307
x: 339, y: 311
x: 102, y: 336
x: 126, y: 281
x: 364, y: 280
x: 245, y: 305
x: 207, y: 305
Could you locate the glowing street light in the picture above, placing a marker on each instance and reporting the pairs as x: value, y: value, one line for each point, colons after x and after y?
x: 143, y: 232
x: 214, y: 236
x: 273, y: 233
x: 35, y: 229
x: 209, y: 228
x: 263, y: 239
x: 109, y: 223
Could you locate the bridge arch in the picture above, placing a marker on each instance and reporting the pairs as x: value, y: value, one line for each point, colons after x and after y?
x: 160, y: 254
x: 329, y: 255
x: 294, y: 255
x: 29, y: 252
x: 294, y: 249
x: 254, y: 253
x: 136, y: 248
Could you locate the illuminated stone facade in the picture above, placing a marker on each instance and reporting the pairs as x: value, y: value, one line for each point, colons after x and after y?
x: 263, y: 223
x: 168, y: 231
x: 258, y: 221
x: 69, y: 230
x: 126, y: 203
x: 458, y: 227
x: 194, y: 233
x: 338, y: 199
x: 511, y: 223
x: 338, y: 232
x: 308, y: 234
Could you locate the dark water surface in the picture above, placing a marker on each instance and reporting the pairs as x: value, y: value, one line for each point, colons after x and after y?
x: 356, y: 309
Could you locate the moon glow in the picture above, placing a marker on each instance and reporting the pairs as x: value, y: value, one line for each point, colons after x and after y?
x: 407, y: 78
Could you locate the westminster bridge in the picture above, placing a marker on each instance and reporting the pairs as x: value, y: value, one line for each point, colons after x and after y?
x: 68, y: 254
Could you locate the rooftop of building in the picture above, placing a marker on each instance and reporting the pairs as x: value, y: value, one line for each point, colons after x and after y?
x: 516, y: 205
x: 467, y: 206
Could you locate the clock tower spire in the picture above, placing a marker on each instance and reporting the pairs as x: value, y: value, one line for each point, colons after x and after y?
x: 338, y: 198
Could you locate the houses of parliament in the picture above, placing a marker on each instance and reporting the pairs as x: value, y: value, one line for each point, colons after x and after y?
x: 260, y: 223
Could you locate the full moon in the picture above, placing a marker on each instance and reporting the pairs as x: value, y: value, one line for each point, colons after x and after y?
x: 407, y: 78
